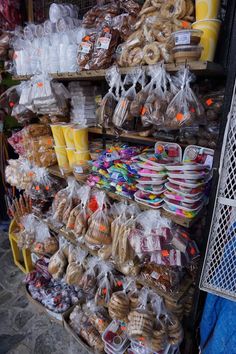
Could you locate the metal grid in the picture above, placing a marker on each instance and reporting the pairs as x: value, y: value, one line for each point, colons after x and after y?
x: 219, y: 270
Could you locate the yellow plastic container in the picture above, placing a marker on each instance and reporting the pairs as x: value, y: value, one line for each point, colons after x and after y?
x: 207, y: 9
x: 211, y: 29
x: 68, y: 135
x: 58, y: 134
x: 71, y: 156
x: 62, y: 158
x: 81, y: 139
x: 81, y: 157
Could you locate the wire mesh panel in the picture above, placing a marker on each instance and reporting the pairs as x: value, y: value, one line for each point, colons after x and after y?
x: 219, y: 270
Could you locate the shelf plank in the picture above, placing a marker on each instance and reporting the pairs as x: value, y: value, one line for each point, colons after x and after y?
x: 198, y: 67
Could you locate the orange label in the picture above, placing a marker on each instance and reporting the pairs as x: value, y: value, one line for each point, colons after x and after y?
x: 102, y: 228
x: 192, y: 251
x: 37, y: 188
x: 30, y: 174
x: 100, y: 321
x: 141, y: 339
x: 49, y: 142
x: 104, y: 291
x: 119, y: 283
x: 209, y: 102
x: 179, y: 117
x: 143, y: 111
x: 40, y: 84
x: 123, y: 104
x: 185, y: 24
x: 87, y: 38
x: 47, y: 188
x: 184, y: 235
x: 123, y: 328
x: 106, y: 29
x: 192, y: 110
x: 165, y: 253
x: 11, y: 104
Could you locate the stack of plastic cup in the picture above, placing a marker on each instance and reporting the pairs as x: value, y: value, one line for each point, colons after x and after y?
x: 206, y: 16
x: 82, y: 154
x: 60, y: 147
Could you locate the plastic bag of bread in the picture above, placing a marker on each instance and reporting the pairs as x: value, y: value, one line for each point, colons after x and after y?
x: 75, y: 269
x: 122, y: 117
x: 105, y: 288
x: 153, y: 111
x: 82, y: 214
x: 88, y: 281
x: 105, y: 45
x: 99, y: 229
x: 184, y: 109
x: 57, y: 265
x: 119, y: 305
x: 141, y: 97
x: 44, y: 244
x: 107, y: 107
x: 124, y: 24
x: 86, y: 48
x: 96, y: 16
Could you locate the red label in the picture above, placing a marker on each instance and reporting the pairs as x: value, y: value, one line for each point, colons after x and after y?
x: 11, y: 104
x: 37, y: 188
x: 192, y: 251
x: 87, y: 38
x: 143, y: 111
x: 119, y: 283
x: 209, y: 102
x: 165, y: 253
x: 40, y: 84
x: 47, y: 188
x: 185, y: 24
x: 192, y: 110
x: 179, y: 117
x: 104, y: 291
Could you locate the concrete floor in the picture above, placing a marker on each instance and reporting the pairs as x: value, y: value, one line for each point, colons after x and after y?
x: 23, y: 330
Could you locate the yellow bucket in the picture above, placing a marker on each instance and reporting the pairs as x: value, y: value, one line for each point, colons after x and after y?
x: 68, y: 135
x: 81, y: 139
x: 207, y: 9
x: 71, y: 156
x: 58, y: 135
x: 211, y: 29
x: 62, y: 158
x: 82, y: 157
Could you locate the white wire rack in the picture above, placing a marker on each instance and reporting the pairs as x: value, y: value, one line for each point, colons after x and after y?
x: 219, y: 269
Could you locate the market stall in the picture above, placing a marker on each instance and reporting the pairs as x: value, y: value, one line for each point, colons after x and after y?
x: 120, y: 111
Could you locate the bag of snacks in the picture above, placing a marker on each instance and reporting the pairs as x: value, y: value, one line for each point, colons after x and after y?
x: 58, y: 263
x: 122, y: 117
x: 119, y: 305
x: 106, y: 283
x: 88, y: 281
x: 98, y: 316
x: 75, y: 269
x: 86, y: 48
x: 44, y: 243
x: 82, y: 214
x: 107, y: 107
x: 184, y: 109
x: 99, y: 230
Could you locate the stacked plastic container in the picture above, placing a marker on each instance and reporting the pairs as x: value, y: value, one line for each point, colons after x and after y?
x: 187, y: 186
x: 153, y: 173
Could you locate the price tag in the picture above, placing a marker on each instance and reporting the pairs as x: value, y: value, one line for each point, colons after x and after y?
x: 155, y: 275
x: 85, y: 47
x: 103, y: 42
x: 182, y: 38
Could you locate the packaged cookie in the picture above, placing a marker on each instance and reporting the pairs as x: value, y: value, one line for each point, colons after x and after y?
x: 75, y: 269
x: 106, y: 283
x: 57, y: 264
x: 85, y: 50
x: 88, y: 281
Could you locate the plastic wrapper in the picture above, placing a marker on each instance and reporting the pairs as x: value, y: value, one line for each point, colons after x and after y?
x: 122, y: 117
x: 99, y: 230
x: 123, y: 23
x: 184, y: 109
x: 84, y: 328
x: 17, y: 142
x: 88, y: 281
x: 98, y: 14
x: 109, y: 101
x: 57, y: 265
x: 85, y: 51
x: 19, y: 173
x: 104, y: 48
x: 98, y: 317
x: 119, y: 305
x: 104, y: 291
x: 131, y: 7
x: 75, y: 270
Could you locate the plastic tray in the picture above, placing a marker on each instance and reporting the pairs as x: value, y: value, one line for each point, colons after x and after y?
x: 121, y: 338
x: 157, y: 192
x: 187, y: 167
x: 154, y: 182
x: 167, y: 145
x: 188, y: 215
x: 190, y: 156
x: 192, y: 176
x: 138, y: 197
x: 184, y: 190
x: 186, y: 184
x: 187, y: 199
x: 152, y: 174
x: 150, y: 166
x: 151, y: 206
x: 183, y: 207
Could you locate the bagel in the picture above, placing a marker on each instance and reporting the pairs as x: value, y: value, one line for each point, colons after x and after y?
x: 173, y: 8
x: 151, y: 53
x: 135, y: 56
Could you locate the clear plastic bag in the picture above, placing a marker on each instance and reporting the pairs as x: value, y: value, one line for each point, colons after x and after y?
x: 122, y: 117
x: 58, y: 262
x: 109, y: 101
x: 184, y: 109
x: 99, y: 230
x: 89, y: 280
x: 75, y: 269
x: 105, y: 287
x: 86, y: 49
x: 19, y: 173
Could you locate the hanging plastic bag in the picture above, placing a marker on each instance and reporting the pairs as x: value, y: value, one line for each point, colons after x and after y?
x: 58, y: 262
x: 119, y: 305
x: 86, y: 48
x: 109, y: 101
x: 185, y: 109
x: 105, y: 288
x: 122, y: 117
x: 89, y: 280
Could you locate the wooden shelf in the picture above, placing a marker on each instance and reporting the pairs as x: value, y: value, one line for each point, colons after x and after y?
x: 198, y: 67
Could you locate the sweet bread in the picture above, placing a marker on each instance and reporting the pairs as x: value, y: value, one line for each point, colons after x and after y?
x: 151, y: 53
x: 173, y: 8
x: 135, y: 56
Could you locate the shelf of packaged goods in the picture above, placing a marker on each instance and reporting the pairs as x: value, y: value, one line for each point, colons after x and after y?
x: 185, y: 222
x: 132, y: 138
x: 198, y: 67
